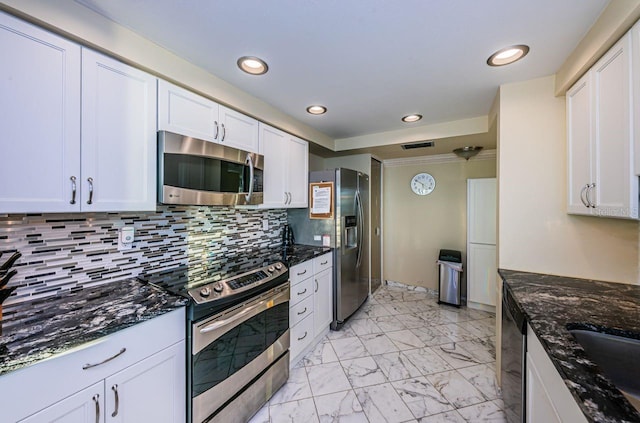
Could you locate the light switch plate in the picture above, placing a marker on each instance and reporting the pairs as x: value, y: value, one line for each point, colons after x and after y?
x: 317, y: 238
x: 265, y: 225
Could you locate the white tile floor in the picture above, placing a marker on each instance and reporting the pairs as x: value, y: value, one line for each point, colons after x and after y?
x: 400, y: 358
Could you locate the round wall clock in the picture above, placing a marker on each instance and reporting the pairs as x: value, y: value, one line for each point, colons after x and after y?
x: 423, y: 184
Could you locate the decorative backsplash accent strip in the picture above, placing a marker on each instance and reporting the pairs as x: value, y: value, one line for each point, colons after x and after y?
x: 74, y: 251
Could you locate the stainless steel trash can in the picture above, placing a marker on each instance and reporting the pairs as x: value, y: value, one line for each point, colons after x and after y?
x: 449, y: 289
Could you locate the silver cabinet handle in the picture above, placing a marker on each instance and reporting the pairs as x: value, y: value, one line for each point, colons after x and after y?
x: 316, y: 286
x: 300, y: 274
x: 114, y: 388
x: 591, y: 203
x: 73, y: 190
x: 224, y: 132
x: 582, y: 198
x: 324, y: 262
x: 96, y: 400
x: 215, y: 137
x: 249, y: 160
x: 90, y: 200
x: 290, y: 197
x: 300, y: 313
x: 88, y: 366
x: 303, y: 292
x: 303, y: 336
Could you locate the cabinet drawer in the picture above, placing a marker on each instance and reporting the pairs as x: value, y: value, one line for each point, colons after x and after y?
x: 58, y: 377
x: 301, y: 291
x: 300, y: 272
x: 301, y: 310
x: 301, y: 336
x: 322, y: 262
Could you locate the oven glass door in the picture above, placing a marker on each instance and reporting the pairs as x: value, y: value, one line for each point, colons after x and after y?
x: 237, y: 347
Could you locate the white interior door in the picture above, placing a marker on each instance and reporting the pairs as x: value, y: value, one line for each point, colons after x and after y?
x: 481, y: 207
x: 481, y: 274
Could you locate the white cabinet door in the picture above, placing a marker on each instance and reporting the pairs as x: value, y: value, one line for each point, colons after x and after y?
x: 323, y: 300
x: 86, y: 406
x: 152, y: 390
x: 298, y: 172
x: 481, y: 276
x: 616, y: 192
x: 238, y: 130
x: 635, y: 82
x: 118, y: 136
x: 579, y: 145
x: 187, y: 113
x: 481, y: 206
x: 286, y: 168
x: 548, y: 398
x: 274, y: 148
x: 301, y: 337
x: 40, y: 109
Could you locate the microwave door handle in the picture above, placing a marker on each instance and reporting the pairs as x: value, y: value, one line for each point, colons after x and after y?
x: 250, y: 161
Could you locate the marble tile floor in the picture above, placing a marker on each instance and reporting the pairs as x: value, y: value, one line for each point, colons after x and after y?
x: 400, y: 358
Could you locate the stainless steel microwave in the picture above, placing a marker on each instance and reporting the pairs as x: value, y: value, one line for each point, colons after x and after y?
x: 197, y: 172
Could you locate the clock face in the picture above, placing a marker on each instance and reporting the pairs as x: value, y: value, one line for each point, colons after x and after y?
x: 423, y: 184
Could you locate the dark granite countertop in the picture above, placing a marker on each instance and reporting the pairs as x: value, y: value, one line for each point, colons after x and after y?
x: 297, y: 254
x: 35, y: 330
x: 553, y: 303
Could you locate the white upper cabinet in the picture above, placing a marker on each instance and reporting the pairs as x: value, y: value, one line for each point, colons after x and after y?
x: 118, y: 136
x: 601, y: 178
x: 238, y: 130
x: 286, y: 168
x: 40, y: 115
x: 579, y: 140
x: 186, y: 113
x: 73, y: 143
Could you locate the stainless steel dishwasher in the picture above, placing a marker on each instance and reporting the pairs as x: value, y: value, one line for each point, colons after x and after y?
x: 512, y: 369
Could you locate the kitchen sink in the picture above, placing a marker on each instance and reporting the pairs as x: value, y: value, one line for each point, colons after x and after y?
x: 617, y: 357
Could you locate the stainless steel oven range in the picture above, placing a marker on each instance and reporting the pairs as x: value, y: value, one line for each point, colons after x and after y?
x: 237, y: 334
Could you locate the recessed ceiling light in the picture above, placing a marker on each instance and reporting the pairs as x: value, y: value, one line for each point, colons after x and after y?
x: 508, y: 55
x: 252, y: 65
x: 316, y: 110
x: 411, y: 118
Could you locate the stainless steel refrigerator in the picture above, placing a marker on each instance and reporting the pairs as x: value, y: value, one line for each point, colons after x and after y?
x: 349, y: 237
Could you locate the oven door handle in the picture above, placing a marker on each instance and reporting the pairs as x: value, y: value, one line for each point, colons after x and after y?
x: 248, y: 312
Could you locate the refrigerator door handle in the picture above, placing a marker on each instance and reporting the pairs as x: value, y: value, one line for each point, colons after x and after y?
x: 360, y: 232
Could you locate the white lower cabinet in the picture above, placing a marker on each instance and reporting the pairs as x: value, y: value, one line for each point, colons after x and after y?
x: 134, y: 375
x: 81, y: 407
x: 311, y: 305
x: 548, y: 398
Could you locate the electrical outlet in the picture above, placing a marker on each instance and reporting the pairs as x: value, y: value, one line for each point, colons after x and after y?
x: 317, y: 238
x: 265, y: 224
x: 126, y: 236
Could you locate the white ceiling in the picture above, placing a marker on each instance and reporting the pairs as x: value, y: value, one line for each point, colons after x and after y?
x: 369, y: 61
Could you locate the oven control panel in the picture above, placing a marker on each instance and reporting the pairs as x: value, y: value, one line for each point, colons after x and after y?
x: 242, y: 282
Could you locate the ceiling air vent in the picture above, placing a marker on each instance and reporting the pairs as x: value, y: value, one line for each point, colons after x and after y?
x: 423, y: 144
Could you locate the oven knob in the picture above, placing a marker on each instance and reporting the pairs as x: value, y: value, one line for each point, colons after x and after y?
x: 271, y: 269
x: 218, y: 287
x: 278, y: 266
x: 205, y: 292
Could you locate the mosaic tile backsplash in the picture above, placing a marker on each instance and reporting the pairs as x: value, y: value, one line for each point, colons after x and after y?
x: 74, y: 251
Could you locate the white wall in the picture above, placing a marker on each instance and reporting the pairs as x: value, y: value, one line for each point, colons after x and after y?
x: 535, y: 232
x: 417, y: 227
